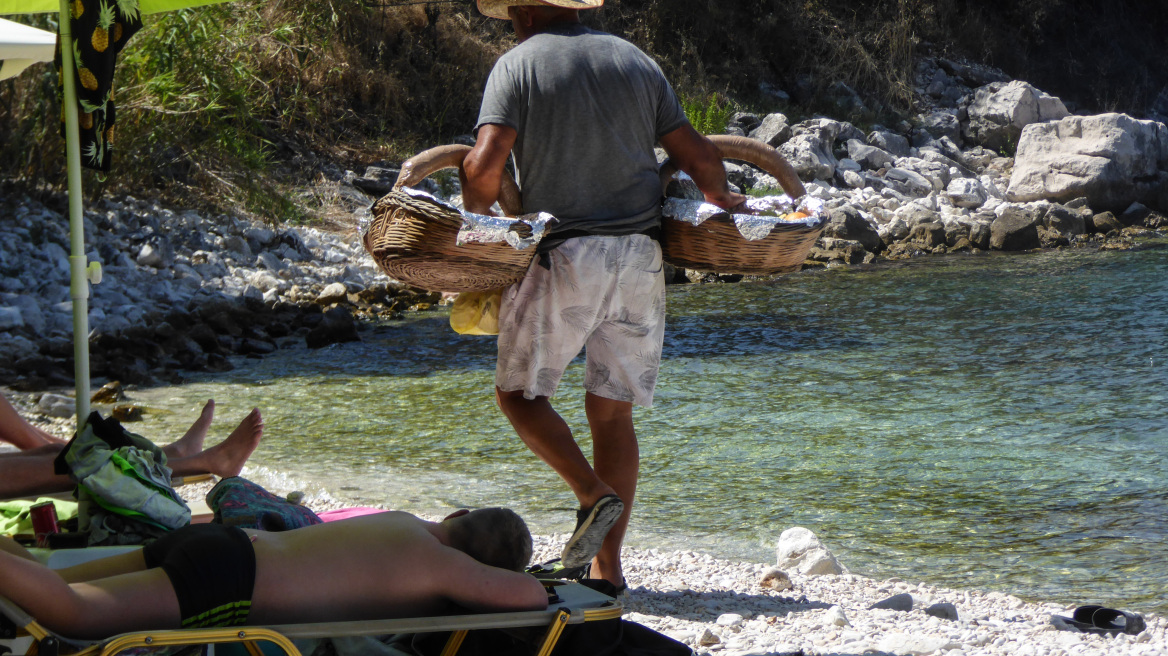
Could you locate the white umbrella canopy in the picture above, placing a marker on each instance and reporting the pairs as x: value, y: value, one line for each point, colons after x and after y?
x: 22, y: 46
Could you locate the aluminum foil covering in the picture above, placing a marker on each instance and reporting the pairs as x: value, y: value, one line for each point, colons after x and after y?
x: 489, y: 229
x: 766, y: 213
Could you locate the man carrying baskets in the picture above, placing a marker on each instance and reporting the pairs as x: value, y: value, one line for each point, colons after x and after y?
x: 581, y: 111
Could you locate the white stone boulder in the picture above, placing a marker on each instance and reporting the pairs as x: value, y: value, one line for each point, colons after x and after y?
x: 800, y: 550
x: 1111, y: 159
x: 773, y: 131
x: 966, y: 192
x: 809, y: 150
x: 999, y: 112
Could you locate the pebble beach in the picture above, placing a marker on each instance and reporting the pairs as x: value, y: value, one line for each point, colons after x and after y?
x: 724, y: 608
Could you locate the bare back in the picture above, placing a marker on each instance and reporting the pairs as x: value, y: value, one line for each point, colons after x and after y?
x: 390, y: 564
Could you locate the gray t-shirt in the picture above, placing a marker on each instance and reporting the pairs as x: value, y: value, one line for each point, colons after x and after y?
x: 588, y: 108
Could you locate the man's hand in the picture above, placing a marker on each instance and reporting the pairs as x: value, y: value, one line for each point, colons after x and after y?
x: 482, y: 170
x: 701, y: 160
x: 727, y: 201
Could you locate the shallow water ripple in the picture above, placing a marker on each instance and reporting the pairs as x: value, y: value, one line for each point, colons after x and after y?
x: 993, y: 422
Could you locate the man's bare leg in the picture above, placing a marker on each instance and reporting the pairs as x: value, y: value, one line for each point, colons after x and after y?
x: 19, y: 432
x: 191, y: 443
x: 24, y: 474
x: 95, y: 609
x: 617, y: 460
x: 227, y: 458
x: 27, y: 474
x: 548, y: 436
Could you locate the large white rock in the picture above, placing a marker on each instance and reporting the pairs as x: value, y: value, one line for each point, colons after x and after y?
x: 999, y: 112
x: 809, y: 150
x: 56, y: 405
x: 800, y: 550
x: 773, y: 131
x: 1111, y: 159
x: 966, y: 192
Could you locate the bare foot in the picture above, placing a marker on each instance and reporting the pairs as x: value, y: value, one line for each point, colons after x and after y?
x: 17, y: 431
x: 43, y: 438
x: 191, y: 443
x: 227, y: 458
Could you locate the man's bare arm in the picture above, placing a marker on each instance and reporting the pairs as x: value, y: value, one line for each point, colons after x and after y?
x: 14, y: 548
x: 700, y: 158
x: 483, y: 588
x: 482, y: 170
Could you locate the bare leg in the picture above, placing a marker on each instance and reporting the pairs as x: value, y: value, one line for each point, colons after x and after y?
x: 13, y: 547
x: 126, y: 563
x: 546, y: 433
x: 617, y: 458
x: 28, y: 474
x: 15, y: 430
x: 192, y: 442
x: 95, y: 609
x: 226, y: 458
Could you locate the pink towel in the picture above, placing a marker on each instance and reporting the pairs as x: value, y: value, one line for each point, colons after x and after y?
x: 345, y: 513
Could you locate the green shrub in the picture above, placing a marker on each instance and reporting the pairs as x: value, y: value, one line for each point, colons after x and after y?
x: 709, y: 115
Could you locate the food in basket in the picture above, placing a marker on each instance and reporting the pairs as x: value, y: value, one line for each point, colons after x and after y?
x: 755, y: 218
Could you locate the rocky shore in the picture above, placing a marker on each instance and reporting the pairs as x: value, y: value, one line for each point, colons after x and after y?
x: 987, y: 163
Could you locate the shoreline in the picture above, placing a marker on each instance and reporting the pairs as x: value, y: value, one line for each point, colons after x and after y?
x: 722, y: 607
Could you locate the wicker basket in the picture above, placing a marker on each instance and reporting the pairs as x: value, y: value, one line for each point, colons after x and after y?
x: 717, y: 245
x: 414, y: 238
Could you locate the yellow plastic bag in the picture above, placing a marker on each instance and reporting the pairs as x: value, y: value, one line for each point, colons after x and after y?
x: 476, y: 313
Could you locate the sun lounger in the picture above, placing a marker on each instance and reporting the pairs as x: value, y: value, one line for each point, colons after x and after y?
x: 572, y: 604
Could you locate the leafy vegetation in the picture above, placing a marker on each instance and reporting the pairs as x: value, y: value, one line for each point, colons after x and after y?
x: 708, y: 116
x: 247, y: 105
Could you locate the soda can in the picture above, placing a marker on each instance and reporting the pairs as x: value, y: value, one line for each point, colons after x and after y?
x: 44, y: 522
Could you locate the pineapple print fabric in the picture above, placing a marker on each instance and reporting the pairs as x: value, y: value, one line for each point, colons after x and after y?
x: 100, y: 31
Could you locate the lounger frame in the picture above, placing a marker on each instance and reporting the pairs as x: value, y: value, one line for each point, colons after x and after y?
x: 578, y: 604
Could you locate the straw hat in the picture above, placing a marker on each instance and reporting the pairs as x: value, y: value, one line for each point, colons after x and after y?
x: 498, y: 8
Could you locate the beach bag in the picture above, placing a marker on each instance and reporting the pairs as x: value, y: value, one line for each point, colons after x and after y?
x: 237, y: 501
x: 476, y: 313
x: 124, y: 492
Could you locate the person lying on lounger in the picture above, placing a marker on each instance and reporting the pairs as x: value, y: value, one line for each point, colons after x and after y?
x: 29, y: 472
x: 386, y: 565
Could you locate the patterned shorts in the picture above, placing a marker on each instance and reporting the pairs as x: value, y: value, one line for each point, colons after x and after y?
x: 603, y: 294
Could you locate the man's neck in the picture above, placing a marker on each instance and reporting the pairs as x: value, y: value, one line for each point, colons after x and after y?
x: 538, y: 22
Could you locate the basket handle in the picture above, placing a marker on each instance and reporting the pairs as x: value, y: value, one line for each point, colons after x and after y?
x: 416, y: 168
x: 748, y: 150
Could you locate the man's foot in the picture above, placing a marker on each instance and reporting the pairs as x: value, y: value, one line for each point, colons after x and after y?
x: 226, y: 459
x: 592, y: 524
x: 191, y: 443
x: 30, y: 437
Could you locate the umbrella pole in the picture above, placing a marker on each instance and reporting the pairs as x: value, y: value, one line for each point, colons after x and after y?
x: 78, y: 279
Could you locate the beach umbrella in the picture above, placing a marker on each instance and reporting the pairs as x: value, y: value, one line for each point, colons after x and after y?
x: 22, y: 46
x: 82, y: 272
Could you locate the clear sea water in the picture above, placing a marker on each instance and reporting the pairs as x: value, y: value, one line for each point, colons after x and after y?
x: 995, y: 422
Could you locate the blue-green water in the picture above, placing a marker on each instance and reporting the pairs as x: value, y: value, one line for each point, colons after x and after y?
x: 990, y: 422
